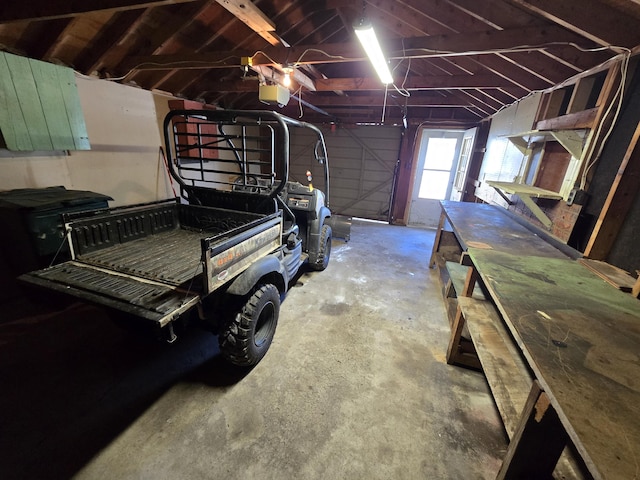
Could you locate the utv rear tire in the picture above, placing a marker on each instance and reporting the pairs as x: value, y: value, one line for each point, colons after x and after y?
x: 324, y: 252
x: 246, y: 337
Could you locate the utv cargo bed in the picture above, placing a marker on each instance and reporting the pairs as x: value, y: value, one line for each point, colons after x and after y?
x: 149, y: 261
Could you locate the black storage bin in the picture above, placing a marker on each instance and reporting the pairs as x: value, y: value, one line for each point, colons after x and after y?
x: 33, y: 225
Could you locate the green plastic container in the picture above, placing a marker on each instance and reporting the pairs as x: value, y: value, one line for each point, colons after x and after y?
x: 33, y: 225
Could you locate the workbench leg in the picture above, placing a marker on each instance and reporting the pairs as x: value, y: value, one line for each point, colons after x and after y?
x: 454, y: 341
x: 436, y: 242
x: 456, y: 353
x: 460, y: 351
x: 537, y: 442
x: 470, y: 282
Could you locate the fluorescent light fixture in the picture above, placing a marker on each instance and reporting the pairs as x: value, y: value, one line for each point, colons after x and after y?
x: 367, y: 36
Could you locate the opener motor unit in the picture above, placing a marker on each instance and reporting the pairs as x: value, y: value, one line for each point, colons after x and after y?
x: 273, y: 95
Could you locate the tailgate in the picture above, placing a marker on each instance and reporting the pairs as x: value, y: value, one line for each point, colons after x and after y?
x: 154, y: 301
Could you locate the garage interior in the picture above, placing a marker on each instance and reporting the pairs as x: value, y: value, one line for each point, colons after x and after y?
x: 378, y: 368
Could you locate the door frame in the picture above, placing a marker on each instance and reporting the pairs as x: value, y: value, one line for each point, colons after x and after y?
x: 420, y: 154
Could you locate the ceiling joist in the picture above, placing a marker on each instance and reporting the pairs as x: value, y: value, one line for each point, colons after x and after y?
x: 413, y: 83
x: 590, y: 22
x: 379, y: 101
x: 417, y: 47
x: 254, y: 18
x: 457, y: 59
x: 48, y: 9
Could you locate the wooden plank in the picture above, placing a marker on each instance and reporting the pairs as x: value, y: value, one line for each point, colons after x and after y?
x: 618, y: 203
x: 378, y: 100
x: 27, y: 93
x: 457, y: 352
x: 12, y: 124
x: 45, y: 9
x: 536, y: 210
x: 611, y: 274
x: 595, y: 23
x: 75, y: 115
x: 584, y: 119
x: 52, y: 103
x: 538, y: 442
x: 458, y: 274
x: 436, y: 242
x: 580, y: 337
x: 521, y: 188
x: 507, y: 373
x: 486, y: 225
x: 415, y: 82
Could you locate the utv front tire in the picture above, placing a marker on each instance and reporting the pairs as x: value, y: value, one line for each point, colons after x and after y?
x: 324, y: 252
x: 246, y: 337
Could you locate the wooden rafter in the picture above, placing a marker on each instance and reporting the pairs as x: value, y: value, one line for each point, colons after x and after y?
x: 48, y: 9
x: 253, y: 17
x: 378, y: 100
x: 116, y: 29
x: 590, y: 22
x: 471, y: 44
x: 435, y: 82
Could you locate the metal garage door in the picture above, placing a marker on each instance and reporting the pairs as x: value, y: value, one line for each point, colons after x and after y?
x: 361, y: 168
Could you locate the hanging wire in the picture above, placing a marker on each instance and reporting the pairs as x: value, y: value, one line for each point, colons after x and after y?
x: 384, y: 104
x: 64, y: 240
x: 299, y: 95
x: 166, y: 166
x: 617, y: 99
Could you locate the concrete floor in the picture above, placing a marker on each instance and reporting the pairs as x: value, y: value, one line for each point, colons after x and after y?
x: 355, y: 386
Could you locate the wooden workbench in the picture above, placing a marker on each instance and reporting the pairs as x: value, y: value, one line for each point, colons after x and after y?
x: 576, y: 337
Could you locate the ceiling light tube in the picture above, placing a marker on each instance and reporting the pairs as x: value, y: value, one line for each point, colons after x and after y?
x: 367, y: 36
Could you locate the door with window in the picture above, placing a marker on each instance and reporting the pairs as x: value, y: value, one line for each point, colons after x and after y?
x: 438, y: 157
x: 460, y: 187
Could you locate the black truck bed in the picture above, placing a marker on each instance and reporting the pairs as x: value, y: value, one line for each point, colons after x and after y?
x: 172, y: 257
x: 148, y: 261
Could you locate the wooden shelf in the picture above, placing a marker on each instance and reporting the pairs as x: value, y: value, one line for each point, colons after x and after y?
x: 571, y: 139
x: 526, y: 194
x: 523, y: 189
x: 507, y: 374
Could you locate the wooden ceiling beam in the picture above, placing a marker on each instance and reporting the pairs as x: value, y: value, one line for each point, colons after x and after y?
x: 417, y: 47
x: 475, y: 66
x: 92, y: 57
x: 413, y: 83
x: 485, y: 104
x: 210, y: 26
x: 436, y: 82
x: 595, y: 21
x: 278, y: 77
x: 254, y: 18
x: 505, y: 16
x: 379, y: 101
x: 199, y: 83
x: 406, y: 20
x: 48, y: 9
x: 538, y: 66
x: 39, y: 39
x: 501, y: 15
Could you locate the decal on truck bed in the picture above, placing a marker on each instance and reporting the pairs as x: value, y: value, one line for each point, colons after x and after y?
x: 234, y: 260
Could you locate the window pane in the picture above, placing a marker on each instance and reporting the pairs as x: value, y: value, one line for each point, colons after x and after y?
x: 433, y: 184
x: 440, y: 153
x: 461, y: 173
